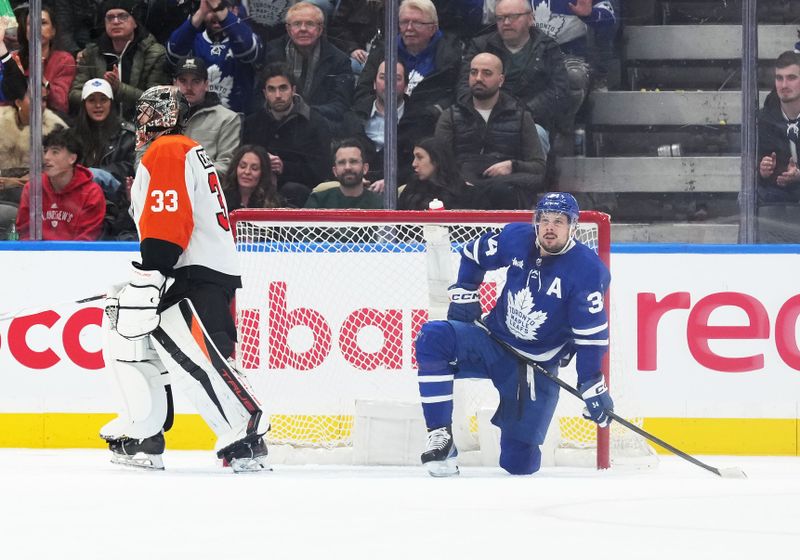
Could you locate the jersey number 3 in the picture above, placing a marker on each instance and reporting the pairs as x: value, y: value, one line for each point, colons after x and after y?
x: 595, y: 300
x: 222, y: 215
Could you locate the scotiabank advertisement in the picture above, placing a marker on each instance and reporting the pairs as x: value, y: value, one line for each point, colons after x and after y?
x: 701, y: 336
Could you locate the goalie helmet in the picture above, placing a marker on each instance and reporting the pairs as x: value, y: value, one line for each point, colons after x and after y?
x: 160, y: 110
x: 560, y: 203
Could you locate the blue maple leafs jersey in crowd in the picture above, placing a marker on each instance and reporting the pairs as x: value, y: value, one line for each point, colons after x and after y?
x: 231, y: 61
x: 555, y: 18
x: 550, y: 306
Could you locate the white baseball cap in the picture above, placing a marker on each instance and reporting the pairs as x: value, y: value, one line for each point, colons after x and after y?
x: 95, y: 85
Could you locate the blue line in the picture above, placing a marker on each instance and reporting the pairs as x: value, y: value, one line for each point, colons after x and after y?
x: 86, y: 246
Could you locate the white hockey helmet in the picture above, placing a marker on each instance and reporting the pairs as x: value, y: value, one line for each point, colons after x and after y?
x: 160, y: 110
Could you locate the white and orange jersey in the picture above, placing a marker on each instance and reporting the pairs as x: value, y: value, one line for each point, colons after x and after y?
x: 177, y: 197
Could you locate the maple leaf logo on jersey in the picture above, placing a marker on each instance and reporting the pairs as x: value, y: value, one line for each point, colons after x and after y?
x: 551, y: 23
x: 268, y: 12
x: 219, y: 85
x: 521, y: 319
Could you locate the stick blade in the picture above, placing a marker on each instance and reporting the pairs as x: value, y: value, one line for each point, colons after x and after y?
x: 731, y: 472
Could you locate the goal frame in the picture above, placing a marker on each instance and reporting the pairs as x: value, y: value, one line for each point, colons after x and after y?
x: 447, y: 217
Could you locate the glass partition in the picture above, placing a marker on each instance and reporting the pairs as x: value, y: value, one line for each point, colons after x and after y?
x: 655, y: 137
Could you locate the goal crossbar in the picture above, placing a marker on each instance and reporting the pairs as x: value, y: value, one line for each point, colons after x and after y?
x: 333, y: 298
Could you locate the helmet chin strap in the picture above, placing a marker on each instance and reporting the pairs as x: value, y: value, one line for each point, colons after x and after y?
x: 567, y: 246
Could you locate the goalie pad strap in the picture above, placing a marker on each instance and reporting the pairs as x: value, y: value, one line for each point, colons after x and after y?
x: 142, y: 383
x: 217, y: 391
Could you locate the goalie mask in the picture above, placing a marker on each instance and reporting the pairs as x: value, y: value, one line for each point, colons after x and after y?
x: 160, y: 110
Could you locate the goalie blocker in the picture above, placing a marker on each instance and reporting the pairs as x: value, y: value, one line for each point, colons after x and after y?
x: 180, y: 352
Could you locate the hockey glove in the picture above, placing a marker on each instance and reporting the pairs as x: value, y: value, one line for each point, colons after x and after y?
x: 138, y: 303
x: 465, y: 303
x: 598, y: 401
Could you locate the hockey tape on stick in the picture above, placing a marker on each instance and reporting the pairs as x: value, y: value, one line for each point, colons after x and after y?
x: 33, y: 310
x: 729, y: 472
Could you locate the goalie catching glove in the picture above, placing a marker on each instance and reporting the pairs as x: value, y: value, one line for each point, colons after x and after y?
x: 138, y: 303
x: 598, y: 401
x: 465, y: 303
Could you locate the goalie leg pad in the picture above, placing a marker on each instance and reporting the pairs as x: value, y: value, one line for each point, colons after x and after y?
x: 217, y: 390
x: 142, y: 385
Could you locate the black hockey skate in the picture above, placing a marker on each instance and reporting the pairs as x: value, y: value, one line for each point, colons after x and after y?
x: 140, y: 453
x: 440, y: 453
x: 246, y: 455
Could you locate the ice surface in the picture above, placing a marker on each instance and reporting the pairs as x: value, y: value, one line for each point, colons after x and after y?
x: 65, y: 504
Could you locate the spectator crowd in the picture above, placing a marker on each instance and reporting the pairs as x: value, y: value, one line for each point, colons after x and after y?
x: 289, y: 100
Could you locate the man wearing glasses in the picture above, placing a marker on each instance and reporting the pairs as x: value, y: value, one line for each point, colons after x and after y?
x: 322, y: 72
x: 431, y: 59
x: 126, y: 55
x: 534, y: 65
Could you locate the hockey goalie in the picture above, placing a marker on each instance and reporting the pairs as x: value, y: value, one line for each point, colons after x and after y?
x: 171, y: 324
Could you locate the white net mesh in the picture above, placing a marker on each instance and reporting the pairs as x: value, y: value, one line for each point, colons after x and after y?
x: 332, y: 302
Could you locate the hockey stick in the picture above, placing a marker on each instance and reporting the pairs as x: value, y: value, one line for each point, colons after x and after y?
x: 33, y: 310
x: 728, y: 472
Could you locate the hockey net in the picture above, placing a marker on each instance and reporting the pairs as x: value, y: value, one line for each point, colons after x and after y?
x: 332, y: 301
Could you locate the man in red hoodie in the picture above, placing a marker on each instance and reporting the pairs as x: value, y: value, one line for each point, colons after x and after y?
x: 73, y: 205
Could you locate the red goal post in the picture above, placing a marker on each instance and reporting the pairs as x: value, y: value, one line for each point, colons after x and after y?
x: 332, y: 299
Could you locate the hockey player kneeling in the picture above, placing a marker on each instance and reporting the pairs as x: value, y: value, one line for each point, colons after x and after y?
x: 551, y: 307
x: 160, y: 333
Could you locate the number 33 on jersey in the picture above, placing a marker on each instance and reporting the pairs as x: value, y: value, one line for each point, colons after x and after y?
x: 177, y: 197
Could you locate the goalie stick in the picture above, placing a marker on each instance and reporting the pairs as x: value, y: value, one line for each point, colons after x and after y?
x: 727, y: 472
x: 33, y: 310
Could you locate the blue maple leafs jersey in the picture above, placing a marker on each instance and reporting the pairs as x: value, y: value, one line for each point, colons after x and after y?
x: 555, y: 18
x: 550, y: 307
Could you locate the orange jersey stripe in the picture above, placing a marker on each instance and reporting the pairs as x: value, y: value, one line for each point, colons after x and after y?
x: 167, y: 212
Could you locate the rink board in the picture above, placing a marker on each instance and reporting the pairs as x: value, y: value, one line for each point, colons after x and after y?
x: 704, y: 337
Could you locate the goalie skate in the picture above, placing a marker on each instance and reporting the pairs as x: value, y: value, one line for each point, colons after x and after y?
x: 139, y: 453
x: 246, y: 455
x: 440, y: 455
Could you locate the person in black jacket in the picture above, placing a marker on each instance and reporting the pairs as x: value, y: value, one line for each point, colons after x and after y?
x: 431, y: 59
x: 778, y: 131
x: 109, y: 153
x: 322, y: 73
x: 534, y: 64
x: 108, y: 141
x: 295, y: 135
x: 436, y: 176
x: 495, y: 138
x: 365, y: 121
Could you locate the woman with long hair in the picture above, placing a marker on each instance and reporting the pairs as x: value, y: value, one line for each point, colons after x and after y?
x: 15, y: 125
x: 58, y: 67
x: 109, y: 153
x: 108, y: 141
x: 436, y: 176
x: 249, y: 181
